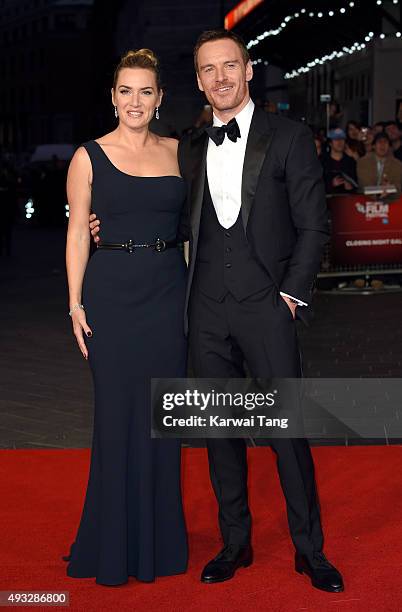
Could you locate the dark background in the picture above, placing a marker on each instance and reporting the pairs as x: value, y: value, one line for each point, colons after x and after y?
x: 58, y: 57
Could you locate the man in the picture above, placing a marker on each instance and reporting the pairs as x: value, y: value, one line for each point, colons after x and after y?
x: 258, y: 223
x: 337, y: 165
x: 379, y: 127
x: 380, y: 167
x: 395, y: 137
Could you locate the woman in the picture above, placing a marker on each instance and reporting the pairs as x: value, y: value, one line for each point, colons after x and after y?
x: 131, y: 312
x: 354, y: 145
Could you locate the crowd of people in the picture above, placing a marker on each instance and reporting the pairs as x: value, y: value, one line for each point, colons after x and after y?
x: 358, y: 157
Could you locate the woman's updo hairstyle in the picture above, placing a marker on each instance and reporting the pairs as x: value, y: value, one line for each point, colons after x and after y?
x: 141, y: 58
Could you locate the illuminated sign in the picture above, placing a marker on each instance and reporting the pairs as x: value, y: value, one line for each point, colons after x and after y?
x: 239, y: 12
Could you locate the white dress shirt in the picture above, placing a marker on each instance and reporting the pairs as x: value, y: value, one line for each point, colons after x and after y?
x: 225, y: 170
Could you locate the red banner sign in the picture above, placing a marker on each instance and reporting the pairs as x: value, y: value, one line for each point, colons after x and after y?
x: 239, y: 12
x: 365, y: 230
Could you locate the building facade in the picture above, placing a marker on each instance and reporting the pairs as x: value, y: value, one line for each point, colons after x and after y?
x: 46, y: 49
x: 367, y: 85
x: 58, y: 58
x: 350, y: 51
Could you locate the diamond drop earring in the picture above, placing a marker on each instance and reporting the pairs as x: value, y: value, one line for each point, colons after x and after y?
x: 116, y: 114
x: 157, y: 112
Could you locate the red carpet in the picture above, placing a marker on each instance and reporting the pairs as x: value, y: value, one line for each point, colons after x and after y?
x: 361, y: 497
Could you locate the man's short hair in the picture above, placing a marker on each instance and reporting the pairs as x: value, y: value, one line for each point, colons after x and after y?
x: 381, y: 136
x: 391, y: 122
x: 220, y: 34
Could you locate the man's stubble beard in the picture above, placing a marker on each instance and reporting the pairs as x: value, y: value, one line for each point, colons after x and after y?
x: 225, y: 107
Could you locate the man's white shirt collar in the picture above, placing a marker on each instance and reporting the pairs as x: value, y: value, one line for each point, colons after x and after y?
x: 243, y: 118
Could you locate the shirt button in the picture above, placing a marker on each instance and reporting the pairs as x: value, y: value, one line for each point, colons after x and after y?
x: 228, y: 249
x: 228, y: 234
x: 228, y: 265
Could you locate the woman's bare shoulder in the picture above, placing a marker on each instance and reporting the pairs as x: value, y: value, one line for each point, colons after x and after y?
x: 80, y: 157
x: 80, y: 166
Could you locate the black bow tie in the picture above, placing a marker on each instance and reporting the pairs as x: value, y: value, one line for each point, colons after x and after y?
x: 217, y: 133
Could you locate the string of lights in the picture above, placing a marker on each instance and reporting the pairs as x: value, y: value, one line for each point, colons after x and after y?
x: 305, y: 13
x: 356, y: 47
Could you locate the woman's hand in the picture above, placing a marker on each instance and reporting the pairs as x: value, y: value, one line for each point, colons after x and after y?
x: 81, y: 327
x: 94, y: 226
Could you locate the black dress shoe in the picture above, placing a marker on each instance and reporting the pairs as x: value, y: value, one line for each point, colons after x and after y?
x: 225, y: 564
x: 323, y: 575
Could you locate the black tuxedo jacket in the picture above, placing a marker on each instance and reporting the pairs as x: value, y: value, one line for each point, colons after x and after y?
x: 283, y: 209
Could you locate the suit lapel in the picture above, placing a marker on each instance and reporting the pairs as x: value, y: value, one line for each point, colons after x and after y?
x: 199, y: 161
x: 258, y: 143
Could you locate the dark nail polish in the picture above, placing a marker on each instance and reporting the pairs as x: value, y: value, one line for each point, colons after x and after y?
x: 89, y: 334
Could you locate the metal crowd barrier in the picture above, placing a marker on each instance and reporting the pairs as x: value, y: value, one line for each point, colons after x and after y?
x: 358, y: 218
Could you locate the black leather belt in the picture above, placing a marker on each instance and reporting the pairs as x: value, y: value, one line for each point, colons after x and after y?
x: 130, y: 246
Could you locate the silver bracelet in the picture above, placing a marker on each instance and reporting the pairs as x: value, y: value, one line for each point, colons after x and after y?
x: 76, y: 307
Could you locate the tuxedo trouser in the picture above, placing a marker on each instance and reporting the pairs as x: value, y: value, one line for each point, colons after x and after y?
x: 259, y: 331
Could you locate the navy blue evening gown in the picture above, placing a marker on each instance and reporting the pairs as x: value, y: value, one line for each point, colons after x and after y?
x: 132, y: 523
